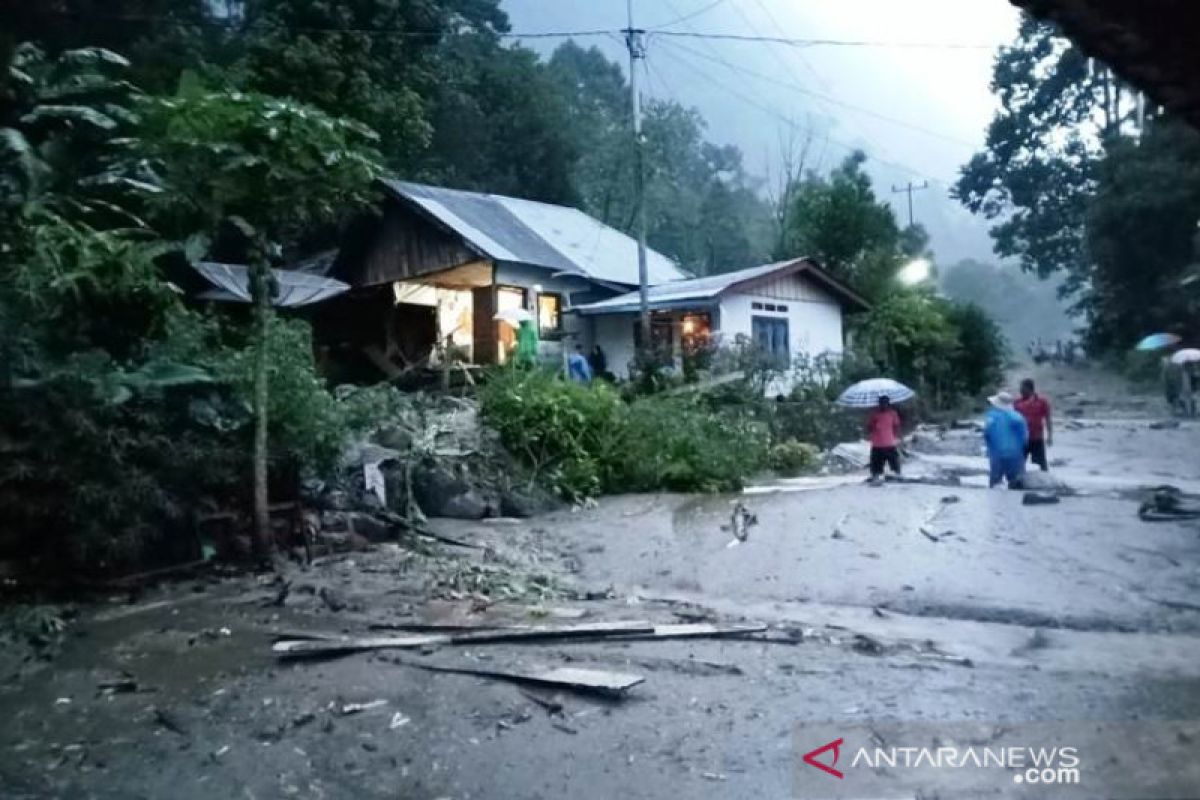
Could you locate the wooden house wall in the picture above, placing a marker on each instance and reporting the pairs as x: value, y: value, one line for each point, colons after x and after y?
x: 405, y: 245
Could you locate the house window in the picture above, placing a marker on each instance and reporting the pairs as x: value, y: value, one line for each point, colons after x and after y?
x: 549, y: 314
x: 771, y: 337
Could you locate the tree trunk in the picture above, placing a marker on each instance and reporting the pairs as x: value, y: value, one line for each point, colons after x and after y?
x: 260, y: 294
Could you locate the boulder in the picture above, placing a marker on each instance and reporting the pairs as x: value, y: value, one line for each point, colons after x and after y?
x: 440, y: 492
x: 520, y: 503
x: 370, y: 527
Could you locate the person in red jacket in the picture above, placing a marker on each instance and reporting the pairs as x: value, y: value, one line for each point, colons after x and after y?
x: 1036, y: 411
x: 883, y: 429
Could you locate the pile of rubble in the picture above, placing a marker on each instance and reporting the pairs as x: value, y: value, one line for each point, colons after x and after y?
x: 433, y: 458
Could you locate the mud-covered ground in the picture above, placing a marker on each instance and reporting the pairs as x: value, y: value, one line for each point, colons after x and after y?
x: 1074, y: 611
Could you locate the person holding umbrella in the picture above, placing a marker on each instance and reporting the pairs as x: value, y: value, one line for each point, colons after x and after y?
x: 883, y: 424
x: 1006, y: 435
x: 883, y: 430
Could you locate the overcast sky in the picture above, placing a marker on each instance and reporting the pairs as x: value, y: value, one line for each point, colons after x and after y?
x: 941, y: 86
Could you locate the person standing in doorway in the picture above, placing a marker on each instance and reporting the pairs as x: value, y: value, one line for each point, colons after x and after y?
x: 1006, y: 435
x: 1036, y: 411
x: 599, y: 363
x: 883, y: 430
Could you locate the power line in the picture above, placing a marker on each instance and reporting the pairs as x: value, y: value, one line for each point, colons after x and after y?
x: 690, y: 16
x: 779, y: 28
x: 737, y: 37
x: 827, y: 98
x: 793, y: 124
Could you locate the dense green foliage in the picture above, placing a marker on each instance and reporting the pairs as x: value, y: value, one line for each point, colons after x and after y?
x: 125, y: 411
x: 585, y: 440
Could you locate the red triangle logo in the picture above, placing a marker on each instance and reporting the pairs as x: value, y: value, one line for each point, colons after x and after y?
x: 810, y: 758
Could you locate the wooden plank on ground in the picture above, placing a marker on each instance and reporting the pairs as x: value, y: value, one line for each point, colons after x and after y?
x: 611, y: 684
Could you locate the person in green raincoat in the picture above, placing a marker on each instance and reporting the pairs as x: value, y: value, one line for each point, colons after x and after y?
x: 527, y: 344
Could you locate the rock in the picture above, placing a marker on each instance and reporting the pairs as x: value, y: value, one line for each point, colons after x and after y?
x: 337, y: 500
x: 468, y: 505
x: 1164, y: 424
x: 1043, y: 482
x: 441, y: 493
x: 370, y: 527
x: 394, y: 438
x: 335, y: 521
x: 516, y: 503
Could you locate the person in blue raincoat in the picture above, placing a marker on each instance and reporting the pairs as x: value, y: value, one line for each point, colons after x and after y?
x: 1006, y: 434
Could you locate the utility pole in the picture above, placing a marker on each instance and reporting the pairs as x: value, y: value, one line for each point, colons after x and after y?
x: 634, y: 39
x: 908, y: 189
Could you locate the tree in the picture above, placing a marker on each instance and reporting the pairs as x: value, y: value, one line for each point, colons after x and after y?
x: 838, y: 221
x: 1038, y: 167
x: 500, y: 124
x: 1142, y: 238
x: 270, y: 169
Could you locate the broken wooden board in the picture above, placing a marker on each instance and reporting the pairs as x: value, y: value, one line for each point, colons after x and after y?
x: 698, y: 630
x: 624, y: 631
x: 610, y: 684
x: 319, y: 647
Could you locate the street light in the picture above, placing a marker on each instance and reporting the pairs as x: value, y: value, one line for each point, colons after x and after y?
x: 915, y: 271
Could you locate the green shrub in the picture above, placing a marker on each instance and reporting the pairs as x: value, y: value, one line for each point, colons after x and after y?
x: 680, y: 444
x: 792, y: 458
x: 583, y: 440
x: 564, y: 431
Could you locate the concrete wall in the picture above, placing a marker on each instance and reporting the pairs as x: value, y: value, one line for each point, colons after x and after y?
x: 814, y: 327
x: 614, y: 334
x: 814, y: 321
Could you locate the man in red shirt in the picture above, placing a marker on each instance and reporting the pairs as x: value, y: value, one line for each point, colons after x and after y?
x: 1036, y: 410
x: 883, y: 429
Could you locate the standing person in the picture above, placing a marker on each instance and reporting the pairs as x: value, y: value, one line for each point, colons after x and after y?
x: 1036, y: 411
x: 1172, y: 378
x: 598, y: 362
x: 883, y: 429
x: 578, y: 369
x: 1006, y: 435
x: 1187, y: 381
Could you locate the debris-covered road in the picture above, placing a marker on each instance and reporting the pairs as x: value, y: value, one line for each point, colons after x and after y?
x: 910, y: 602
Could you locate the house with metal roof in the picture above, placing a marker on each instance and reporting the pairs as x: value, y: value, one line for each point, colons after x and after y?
x: 438, y: 266
x: 786, y: 308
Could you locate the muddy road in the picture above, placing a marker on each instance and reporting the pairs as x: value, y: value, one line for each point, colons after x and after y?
x: 905, y: 602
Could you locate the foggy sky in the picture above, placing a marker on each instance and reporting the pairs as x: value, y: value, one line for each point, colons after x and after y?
x: 943, y: 89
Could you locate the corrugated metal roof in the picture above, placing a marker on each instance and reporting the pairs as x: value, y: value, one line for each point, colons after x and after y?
x: 695, y: 289
x: 232, y: 282
x: 697, y: 292
x: 544, y: 235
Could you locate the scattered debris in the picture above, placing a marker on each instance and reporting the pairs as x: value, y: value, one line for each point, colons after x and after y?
x: 357, y: 708
x: 170, y: 721
x: 124, y: 683
x: 741, y: 520
x: 332, y: 599
x: 1164, y: 424
x: 398, y: 721
x: 611, y: 684
x: 936, y: 537
x: 552, y: 704
x: 301, y: 648
x: 564, y: 728
x: 950, y: 499
x: 867, y: 645
x: 1167, y: 504
x: 1039, y: 499
x: 713, y: 776
x: 837, y: 528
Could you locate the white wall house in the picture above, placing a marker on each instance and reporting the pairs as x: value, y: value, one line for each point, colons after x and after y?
x: 787, y: 308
